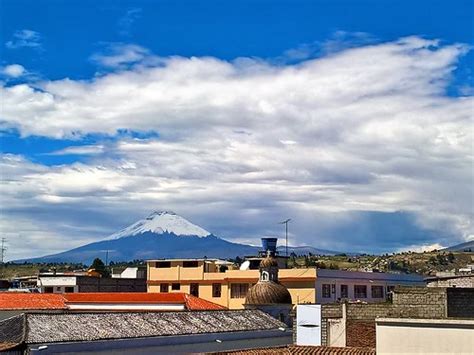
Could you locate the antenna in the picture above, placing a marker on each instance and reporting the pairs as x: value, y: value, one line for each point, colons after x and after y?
x: 285, y: 222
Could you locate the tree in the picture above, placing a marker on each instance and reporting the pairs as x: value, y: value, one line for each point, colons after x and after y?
x: 99, y: 266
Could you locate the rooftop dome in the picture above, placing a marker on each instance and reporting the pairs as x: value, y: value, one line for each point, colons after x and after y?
x: 269, y: 262
x: 267, y: 293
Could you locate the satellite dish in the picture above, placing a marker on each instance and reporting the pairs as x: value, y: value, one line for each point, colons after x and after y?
x: 245, y: 265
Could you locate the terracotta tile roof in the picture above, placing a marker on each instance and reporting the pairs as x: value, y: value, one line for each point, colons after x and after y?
x: 49, y: 301
x: 192, y: 303
x: 303, y: 350
x: 199, y: 304
x: 125, y: 297
x: 12, y: 301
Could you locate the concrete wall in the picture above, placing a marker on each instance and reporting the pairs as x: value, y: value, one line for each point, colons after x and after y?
x: 428, y: 336
x: 99, y: 284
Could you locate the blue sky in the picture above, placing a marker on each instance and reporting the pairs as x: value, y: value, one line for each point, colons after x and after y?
x: 343, y: 115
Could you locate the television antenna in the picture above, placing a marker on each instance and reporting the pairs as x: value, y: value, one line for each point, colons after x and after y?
x: 285, y: 222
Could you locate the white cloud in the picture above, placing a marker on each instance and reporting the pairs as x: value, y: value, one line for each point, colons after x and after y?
x: 13, y: 70
x: 24, y: 38
x: 119, y: 55
x: 247, y: 143
x: 80, y: 150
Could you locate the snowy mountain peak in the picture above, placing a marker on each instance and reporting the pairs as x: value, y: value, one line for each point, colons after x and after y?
x: 160, y: 222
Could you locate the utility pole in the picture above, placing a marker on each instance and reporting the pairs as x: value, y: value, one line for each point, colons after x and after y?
x: 286, y: 234
x: 3, y: 249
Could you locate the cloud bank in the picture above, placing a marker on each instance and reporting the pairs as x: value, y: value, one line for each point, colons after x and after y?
x: 332, y: 141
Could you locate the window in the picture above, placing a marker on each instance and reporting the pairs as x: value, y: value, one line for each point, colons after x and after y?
x: 326, y: 291
x: 69, y: 289
x: 216, y: 290
x: 377, y: 291
x: 48, y: 290
x: 190, y: 264
x: 164, y: 287
x: 360, y: 291
x: 238, y: 290
x: 390, y: 288
x: 175, y: 287
x: 194, y: 289
x: 344, y: 291
x: 163, y: 264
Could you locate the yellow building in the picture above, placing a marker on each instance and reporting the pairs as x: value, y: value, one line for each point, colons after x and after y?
x: 222, y: 282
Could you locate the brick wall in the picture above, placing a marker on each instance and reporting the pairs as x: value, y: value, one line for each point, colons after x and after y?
x: 460, y: 302
x: 360, y: 334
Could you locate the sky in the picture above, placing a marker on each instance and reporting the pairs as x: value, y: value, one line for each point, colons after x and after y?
x: 352, y: 118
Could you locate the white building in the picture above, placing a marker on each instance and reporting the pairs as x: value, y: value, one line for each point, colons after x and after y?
x: 339, y: 285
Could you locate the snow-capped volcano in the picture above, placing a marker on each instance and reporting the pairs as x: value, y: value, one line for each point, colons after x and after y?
x: 160, y: 222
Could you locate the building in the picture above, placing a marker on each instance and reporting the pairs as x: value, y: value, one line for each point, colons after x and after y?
x: 353, y: 324
x: 451, y: 281
x: 12, y: 304
x: 141, y: 332
x: 222, y: 283
x: 130, y: 273
x: 339, y: 285
x: 74, y: 282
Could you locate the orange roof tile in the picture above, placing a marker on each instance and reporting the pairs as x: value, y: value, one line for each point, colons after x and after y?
x: 198, y: 304
x: 42, y: 301
x: 125, y: 297
x: 31, y: 301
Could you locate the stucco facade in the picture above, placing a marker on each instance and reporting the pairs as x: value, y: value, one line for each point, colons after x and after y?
x: 223, y: 284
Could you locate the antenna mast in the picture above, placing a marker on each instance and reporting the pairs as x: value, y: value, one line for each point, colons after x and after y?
x: 285, y: 222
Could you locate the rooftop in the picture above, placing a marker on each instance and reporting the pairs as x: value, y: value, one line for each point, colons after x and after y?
x: 40, y: 328
x: 45, y: 301
x: 320, y: 273
x: 299, y: 349
x: 28, y: 301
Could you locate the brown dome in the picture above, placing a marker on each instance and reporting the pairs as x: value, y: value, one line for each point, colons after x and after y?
x: 268, y: 292
x: 269, y: 262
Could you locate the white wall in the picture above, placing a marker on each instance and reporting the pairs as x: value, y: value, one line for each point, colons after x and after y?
x: 424, y: 336
x: 308, y: 324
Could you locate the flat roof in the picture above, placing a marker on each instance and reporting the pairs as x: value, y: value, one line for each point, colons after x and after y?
x: 381, y: 276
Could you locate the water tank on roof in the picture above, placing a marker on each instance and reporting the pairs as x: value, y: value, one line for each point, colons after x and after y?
x: 269, y: 244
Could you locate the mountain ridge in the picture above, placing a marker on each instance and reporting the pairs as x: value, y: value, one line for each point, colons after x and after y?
x: 157, y: 237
